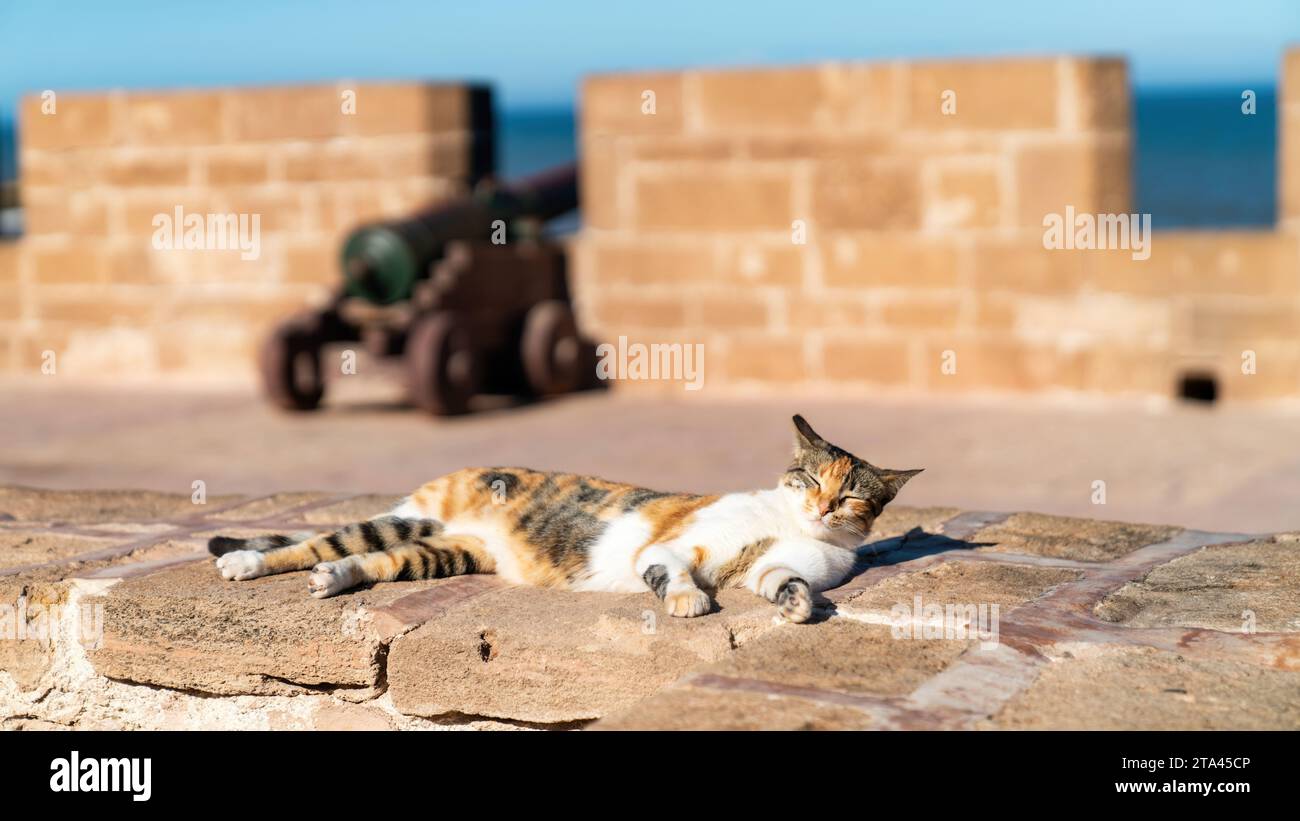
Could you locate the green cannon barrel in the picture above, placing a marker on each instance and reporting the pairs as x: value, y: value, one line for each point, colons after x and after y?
x: 381, y: 262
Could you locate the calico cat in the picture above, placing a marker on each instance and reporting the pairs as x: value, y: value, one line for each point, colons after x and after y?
x: 580, y: 533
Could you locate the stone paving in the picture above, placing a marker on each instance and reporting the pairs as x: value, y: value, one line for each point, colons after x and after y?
x: 112, y: 616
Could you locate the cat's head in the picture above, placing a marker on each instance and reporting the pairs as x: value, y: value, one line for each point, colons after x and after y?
x: 836, y: 495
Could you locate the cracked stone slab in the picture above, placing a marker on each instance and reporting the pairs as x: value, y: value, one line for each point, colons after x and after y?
x: 188, y: 629
x: 550, y: 657
x: 1229, y: 587
x: 1114, y: 687
x: 1062, y: 537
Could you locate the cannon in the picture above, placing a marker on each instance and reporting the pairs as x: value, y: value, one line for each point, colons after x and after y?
x: 469, y: 294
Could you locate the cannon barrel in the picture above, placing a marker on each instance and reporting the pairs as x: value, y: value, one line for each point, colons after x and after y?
x: 382, y: 261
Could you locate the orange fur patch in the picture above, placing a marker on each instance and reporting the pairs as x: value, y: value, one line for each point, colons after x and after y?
x: 670, y: 515
x: 735, y: 570
x: 698, y: 556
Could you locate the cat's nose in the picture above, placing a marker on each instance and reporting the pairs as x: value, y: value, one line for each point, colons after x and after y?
x: 824, y: 507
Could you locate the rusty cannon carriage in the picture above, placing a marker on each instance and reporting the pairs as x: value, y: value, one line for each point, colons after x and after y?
x: 469, y: 294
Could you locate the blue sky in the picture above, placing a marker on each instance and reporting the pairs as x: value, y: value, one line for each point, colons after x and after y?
x: 535, y: 52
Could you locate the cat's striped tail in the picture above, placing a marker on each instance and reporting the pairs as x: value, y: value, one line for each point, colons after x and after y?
x: 221, y: 545
x: 302, y: 550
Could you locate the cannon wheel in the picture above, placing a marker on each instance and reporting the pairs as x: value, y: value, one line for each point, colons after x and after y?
x: 551, y: 350
x: 290, y: 365
x: 441, y: 364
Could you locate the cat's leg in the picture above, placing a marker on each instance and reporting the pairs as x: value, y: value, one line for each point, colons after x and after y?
x: 429, y: 558
x: 793, y: 569
x: 241, y: 559
x: 670, y: 578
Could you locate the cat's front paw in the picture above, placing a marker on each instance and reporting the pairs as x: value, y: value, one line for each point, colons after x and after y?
x: 240, y: 565
x: 687, y: 603
x: 328, y: 579
x: 794, y: 601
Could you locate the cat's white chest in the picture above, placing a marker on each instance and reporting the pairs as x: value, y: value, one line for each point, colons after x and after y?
x: 736, y: 520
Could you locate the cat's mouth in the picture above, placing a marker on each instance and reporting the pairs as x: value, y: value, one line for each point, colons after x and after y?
x: 819, y: 522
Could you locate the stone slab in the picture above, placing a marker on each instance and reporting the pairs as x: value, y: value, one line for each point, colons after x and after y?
x: 96, y: 506
x: 1112, y: 687
x: 45, y: 562
x: 841, y: 655
x: 895, y: 520
x: 356, y: 509
x: 833, y: 671
x: 1229, y: 587
x: 188, y: 629
x: 26, y: 609
x: 1062, y: 537
x: 687, y: 707
x: 33, y: 547
x: 547, y: 656
x: 275, y: 505
x: 183, y: 648
x: 959, y: 583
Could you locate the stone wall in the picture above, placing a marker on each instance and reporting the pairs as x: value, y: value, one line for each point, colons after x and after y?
x: 852, y: 227
x: 88, y: 282
x: 833, y: 229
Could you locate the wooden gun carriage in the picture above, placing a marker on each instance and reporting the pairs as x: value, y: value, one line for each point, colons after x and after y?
x: 468, y: 294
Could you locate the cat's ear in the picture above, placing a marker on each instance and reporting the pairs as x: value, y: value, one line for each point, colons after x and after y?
x: 895, y: 479
x: 805, y: 437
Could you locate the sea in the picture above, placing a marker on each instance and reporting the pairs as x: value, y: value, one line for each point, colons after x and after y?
x: 1199, y: 159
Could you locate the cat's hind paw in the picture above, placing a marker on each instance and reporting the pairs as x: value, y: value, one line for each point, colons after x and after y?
x: 794, y: 601
x: 328, y: 579
x: 239, y: 565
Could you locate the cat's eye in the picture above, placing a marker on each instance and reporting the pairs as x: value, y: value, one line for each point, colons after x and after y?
x: 871, y: 504
x: 803, y: 479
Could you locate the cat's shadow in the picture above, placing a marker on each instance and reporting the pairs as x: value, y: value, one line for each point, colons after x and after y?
x: 914, y: 544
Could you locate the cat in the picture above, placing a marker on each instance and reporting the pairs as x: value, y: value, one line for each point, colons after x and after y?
x: 581, y: 533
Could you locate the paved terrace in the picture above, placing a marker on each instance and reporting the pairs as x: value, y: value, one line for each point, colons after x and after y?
x: 1101, y: 625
